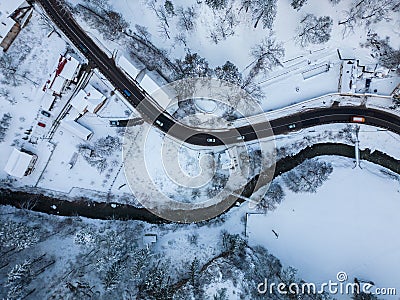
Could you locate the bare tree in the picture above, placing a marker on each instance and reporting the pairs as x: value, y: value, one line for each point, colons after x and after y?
x: 367, y: 12
x: 187, y: 18
x: 264, y: 11
x: 266, y: 55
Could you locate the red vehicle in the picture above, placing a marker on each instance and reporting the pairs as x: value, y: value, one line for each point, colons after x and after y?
x: 41, y: 124
x: 358, y: 119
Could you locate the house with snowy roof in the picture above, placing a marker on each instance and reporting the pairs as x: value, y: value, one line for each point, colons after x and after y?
x: 14, y: 15
x: 67, y: 71
x: 20, y: 163
x: 88, y: 100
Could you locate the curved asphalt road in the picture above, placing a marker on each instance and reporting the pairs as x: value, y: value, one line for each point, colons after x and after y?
x: 151, y: 112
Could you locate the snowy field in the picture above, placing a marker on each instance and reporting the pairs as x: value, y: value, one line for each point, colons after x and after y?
x: 349, y: 225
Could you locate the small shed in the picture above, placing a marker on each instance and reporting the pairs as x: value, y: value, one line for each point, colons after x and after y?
x: 149, y: 239
x: 20, y: 163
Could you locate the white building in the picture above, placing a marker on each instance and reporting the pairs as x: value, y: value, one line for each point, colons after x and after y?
x: 66, y: 71
x: 77, y: 129
x: 14, y: 14
x: 128, y: 67
x: 20, y: 163
x: 88, y: 100
x: 150, y: 85
x: 149, y: 239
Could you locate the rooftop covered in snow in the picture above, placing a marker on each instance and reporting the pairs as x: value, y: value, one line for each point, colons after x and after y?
x: 19, y: 163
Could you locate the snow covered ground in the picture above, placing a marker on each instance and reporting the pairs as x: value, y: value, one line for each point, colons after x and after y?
x: 349, y: 225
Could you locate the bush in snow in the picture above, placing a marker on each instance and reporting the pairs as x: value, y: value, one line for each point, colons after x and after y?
x: 17, y: 235
x: 313, y: 30
x: 308, y: 176
x: 106, y: 146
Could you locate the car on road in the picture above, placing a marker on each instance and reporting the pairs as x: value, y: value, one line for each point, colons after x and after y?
x: 46, y: 114
x: 210, y: 140
x: 240, y: 138
x: 292, y: 126
x: 41, y: 124
x: 114, y: 123
x: 159, y: 123
x: 127, y: 93
x: 358, y: 119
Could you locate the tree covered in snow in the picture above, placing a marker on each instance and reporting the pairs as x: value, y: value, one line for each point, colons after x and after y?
x: 308, y: 176
x: 107, y: 145
x: 186, y: 18
x: 18, y: 279
x: 193, y: 65
x: 314, y: 30
x: 368, y: 12
x: 216, y: 4
x: 17, y: 235
x: 157, y: 283
x: 101, y: 15
x: 223, y: 25
x: 267, y: 55
x: 113, y: 275
x: 4, y: 125
x: 272, y: 197
x: 297, y: 4
x: 169, y: 8
x: 262, y: 10
x: 9, y: 70
x: 387, y: 56
x: 228, y: 72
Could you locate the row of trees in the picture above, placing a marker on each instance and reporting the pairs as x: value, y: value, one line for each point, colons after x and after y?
x: 4, y: 125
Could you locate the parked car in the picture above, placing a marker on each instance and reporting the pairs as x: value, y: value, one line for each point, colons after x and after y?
x: 210, y: 140
x: 159, y: 123
x: 41, y: 124
x: 46, y: 114
x: 292, y: 126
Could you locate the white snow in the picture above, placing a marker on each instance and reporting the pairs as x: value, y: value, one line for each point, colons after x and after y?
x: 349, y: 225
